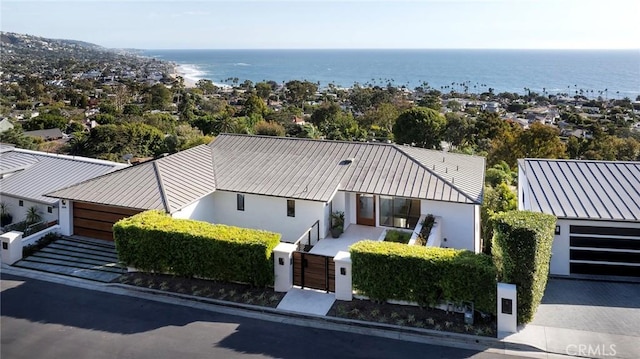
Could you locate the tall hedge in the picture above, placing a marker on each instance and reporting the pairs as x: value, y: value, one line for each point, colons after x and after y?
x: 154, y: 241
x: 522, y: 251
x: 426, y: 275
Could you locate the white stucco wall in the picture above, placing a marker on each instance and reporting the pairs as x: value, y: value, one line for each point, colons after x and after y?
x: 268, y: 213
x: 460, y: 223
x: 20, y: 213
x: 524, y: 197
x: 66, y: 217
x: 560, y: 259
x: 200, y: 210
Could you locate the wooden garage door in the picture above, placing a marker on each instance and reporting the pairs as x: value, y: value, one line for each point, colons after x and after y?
x: 605, y: 250
x: 96, y: 221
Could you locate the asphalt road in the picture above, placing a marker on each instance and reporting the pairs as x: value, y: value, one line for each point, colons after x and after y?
x: 48, y: 320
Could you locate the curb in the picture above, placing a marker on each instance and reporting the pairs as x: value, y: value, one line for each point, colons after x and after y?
x: 391, y: 331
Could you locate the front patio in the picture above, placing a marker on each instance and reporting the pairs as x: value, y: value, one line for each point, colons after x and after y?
x: 354, y: 233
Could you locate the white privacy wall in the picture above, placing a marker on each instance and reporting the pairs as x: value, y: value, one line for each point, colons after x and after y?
x: 268, y: 213
x: 200, y: 210
x: 460, y: 223
x: 20, y: 213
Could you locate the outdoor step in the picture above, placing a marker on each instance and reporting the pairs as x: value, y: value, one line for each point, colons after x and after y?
x: 81, y: 255
x: 86, y: 245
x: 73, y: 260
x: 69, y: 271
x: 70, y: 248
x: 102, y: 268
x: 95, y: 242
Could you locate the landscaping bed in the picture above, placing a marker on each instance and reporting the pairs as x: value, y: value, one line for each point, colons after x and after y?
x: 394, y: 235
x: 233, y: 292
x: 413, y: 316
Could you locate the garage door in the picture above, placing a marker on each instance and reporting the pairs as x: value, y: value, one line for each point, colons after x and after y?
x: 605, y: 250
x: 96, y: 221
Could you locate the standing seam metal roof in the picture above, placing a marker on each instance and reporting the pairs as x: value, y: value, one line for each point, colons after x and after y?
x: 286, y: 167
x: 30, y: 175
x: 607, y: 190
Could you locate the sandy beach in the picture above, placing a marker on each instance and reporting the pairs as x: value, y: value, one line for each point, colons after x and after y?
x: 189, y: 73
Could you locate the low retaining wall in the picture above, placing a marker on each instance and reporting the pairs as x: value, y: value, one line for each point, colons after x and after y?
x: 32, y: 239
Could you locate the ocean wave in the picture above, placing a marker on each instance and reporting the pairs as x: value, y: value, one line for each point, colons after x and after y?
x: 241, y: 64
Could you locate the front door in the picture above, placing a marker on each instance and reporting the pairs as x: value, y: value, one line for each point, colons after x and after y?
x: 366, y: 209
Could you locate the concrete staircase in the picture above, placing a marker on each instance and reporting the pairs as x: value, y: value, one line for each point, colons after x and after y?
x: 77, y: 257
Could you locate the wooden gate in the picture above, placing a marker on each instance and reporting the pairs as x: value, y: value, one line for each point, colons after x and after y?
x: 314, y: 271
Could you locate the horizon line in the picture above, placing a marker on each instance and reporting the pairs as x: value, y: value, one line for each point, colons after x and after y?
x: 383, y: 49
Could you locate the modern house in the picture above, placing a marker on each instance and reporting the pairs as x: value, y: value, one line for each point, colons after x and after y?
x: 597, y: 204
x: 288, y: 185
x: 26, y: 176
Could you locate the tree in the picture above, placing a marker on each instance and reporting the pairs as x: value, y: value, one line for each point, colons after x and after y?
x: 383, y: 116
x: 46, y: 121
x: 298, y: 92
x: 496, y: 199
x: 459, y: 129
x: 132, y: 109
x: 159, y: 97
x: 432, y: 102
x: 541, y: 141
x: 422, y: 126
x: 184, y: 138
x: 269, y: 129
x: 263, y: 90
x: 16, y: 137
x: 206, y: 86
x: 253, y: 105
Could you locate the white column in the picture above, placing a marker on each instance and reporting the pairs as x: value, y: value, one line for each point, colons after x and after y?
x: 11, y: 247
x: 507, y: 309
x: 65, y: 217
x: 283, y: 266
x: 344, y: 285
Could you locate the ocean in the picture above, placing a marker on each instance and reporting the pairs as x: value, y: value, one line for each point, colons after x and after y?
x: 610, y: 73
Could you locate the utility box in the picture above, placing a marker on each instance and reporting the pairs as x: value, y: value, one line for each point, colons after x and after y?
x: 507, y: 309
x: 11, y: 247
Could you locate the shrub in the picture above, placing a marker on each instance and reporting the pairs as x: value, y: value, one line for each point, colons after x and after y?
x: 522, y: 251
x: 153, y: 241
x: 426, y: 275
x: 40, y: 243
x: 397, y: 236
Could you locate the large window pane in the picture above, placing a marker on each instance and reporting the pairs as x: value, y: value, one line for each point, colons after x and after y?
x: 399, y: 212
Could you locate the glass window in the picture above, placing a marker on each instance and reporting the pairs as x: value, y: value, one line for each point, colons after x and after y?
x: 291, y: 208
x: 399, y: 212
x: 20, y: 203
x: 240, y: 202
x: 50, y: 209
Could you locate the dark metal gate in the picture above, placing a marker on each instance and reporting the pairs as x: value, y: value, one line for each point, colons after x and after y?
x: 314, y: 271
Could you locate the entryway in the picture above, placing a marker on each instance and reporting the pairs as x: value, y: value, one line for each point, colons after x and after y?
x: 77, y: 257
x: 366, y: 209
x: 314, y: 271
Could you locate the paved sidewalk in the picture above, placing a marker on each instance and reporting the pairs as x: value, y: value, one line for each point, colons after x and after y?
x: 307, y: 301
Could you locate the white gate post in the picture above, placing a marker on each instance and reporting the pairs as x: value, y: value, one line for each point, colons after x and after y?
x: 283, y: 266
x: 11, y: 247
x: 344, y: 286
x: 507, y: 309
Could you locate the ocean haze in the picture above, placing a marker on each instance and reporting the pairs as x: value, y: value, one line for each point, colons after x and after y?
x: 555, y: 71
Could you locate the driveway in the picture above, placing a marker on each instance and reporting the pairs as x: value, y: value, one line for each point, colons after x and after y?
x: 594, y: 306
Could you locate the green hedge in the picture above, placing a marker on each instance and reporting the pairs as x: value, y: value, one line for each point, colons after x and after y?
x: 153, y: 241
x: 426, y: 275
x: 521, y: 252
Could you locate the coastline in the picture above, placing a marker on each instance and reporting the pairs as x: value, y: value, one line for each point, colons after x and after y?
x: 189, y: 73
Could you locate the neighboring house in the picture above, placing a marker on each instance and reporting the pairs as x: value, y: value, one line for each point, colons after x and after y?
x: 5, y: 125
x: 597, y: 204
x: 47, y: 135
x: 25, y: 176
x: 286, y: 185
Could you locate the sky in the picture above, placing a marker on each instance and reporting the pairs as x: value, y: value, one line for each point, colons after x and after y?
x: 332, y: 24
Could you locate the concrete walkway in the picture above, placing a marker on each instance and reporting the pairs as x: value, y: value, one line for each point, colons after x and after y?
x: 77, y: 257
x: 307, y: 301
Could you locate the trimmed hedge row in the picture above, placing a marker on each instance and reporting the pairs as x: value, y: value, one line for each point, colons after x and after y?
x: 426, y: 275
x: 521, y: 252
x: 154, y: 241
